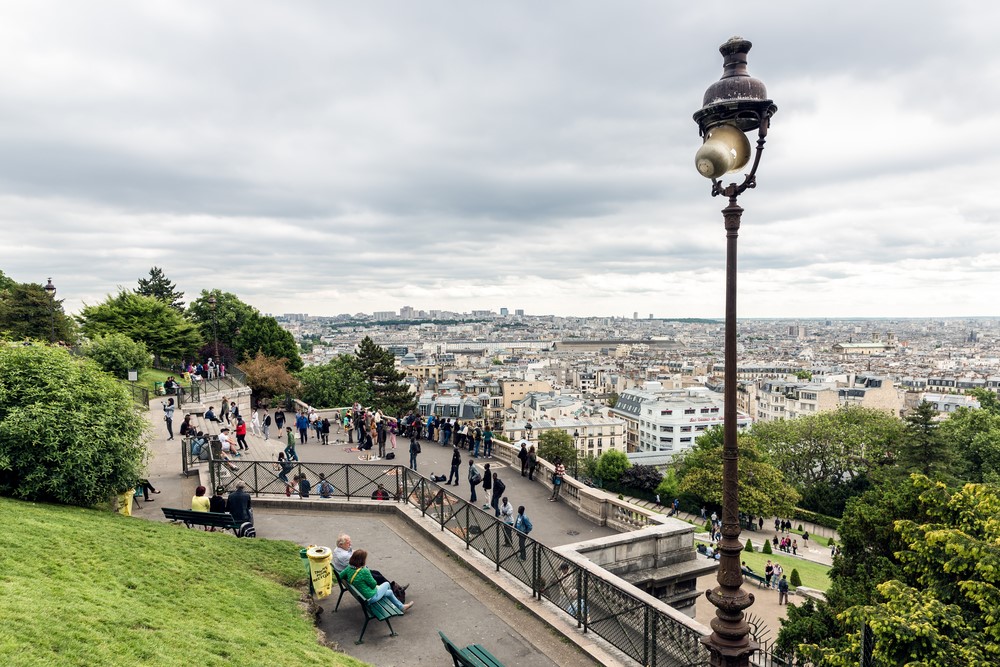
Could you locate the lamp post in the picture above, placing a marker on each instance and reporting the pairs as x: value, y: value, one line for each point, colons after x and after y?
x: 50, y: 289
x: 215, y: 327
x: 734, y: 105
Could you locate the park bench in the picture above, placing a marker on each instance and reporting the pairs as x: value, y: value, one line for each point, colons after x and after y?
x: 190, y: 518
x: 342, y: 584
x: 473, y: 655
x: 380, y: 610
x: 755, y: 578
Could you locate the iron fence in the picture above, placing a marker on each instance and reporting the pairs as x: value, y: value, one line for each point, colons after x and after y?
x: 139, y: 394
x: 639, y: 629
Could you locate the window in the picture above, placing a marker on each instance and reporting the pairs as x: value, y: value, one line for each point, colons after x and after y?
x: 704, y: 411
x: 666, y: 412
x: 689, y: 411
x: 685, y: 439
x: 668, y: 429
x: 685, y: 429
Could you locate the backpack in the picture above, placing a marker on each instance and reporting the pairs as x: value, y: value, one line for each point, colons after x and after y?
x: 476, y: 477
x: 246, y: 529
x: 524, y: 524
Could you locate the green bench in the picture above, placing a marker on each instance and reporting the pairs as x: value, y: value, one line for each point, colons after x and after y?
x: 190, y: 518
x: 380, y: 610
x: 473, y: 655
x: 756, y: 578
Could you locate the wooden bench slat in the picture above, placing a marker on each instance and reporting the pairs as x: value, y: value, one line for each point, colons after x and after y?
x: 473, y: 655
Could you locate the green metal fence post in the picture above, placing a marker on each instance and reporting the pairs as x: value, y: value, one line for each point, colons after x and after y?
x: 256, y: 483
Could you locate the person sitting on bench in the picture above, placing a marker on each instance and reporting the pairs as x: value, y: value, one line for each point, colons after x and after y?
x: 342, y: 558
x: 359, y: 576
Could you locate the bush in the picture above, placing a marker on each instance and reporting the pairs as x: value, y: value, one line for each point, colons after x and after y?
x: 667, y: 488
x: 611, y: 465
x: 818, y: 519
x: 767, y: 548
x: 117, y: 354
x: 794, y: 579
x: 708, y: 525
x: 69, y: 432
x: 641, y: 478
x: 748, y: 546
x: 800, y: 527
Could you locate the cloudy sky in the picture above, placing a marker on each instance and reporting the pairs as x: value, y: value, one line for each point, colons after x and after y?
x: 331, y: 157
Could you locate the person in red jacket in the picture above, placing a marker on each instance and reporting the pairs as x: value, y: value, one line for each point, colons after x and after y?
x: 241, y: 433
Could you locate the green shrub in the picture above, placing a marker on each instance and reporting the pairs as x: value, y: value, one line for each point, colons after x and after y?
x: 611, y: 465
x: 708, y: 525
x: 794, y: 579
x: 118, y: 354
x: 748, y: 546
x: 767, y: 548
x: 816, y: 518
x: 800, y: 527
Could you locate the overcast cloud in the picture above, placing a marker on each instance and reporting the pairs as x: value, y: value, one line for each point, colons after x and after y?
x: 331, y: 157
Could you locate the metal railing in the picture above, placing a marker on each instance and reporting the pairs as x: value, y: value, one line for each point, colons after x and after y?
x: 598, y: 604
x: 139, y: 394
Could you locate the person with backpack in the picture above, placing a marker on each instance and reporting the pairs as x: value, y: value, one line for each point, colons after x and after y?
x: 488, y: 442
x: 283, y: 467
x: 522, y: 524
x: 324, y: 487
x: 557, y: 479
x: 475, y: 478
x: 238, y: 505
x: 783, y: 590
x: 498, y: 488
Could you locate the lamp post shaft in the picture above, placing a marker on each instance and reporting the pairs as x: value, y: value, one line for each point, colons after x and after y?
x: 730, y: 644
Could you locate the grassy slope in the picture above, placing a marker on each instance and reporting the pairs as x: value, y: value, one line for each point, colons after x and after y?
x: 814, y: 575
x: 79, y: 587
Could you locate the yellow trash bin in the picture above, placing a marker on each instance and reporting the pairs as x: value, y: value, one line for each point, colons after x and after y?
x: 321, y: 570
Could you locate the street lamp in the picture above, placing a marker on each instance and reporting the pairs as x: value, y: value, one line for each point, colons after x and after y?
x: 50, y: 289
x: 215, y: 327
x: 734, y: 105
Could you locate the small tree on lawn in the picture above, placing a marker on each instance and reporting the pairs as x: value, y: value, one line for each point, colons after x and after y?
x: 767, y: 548
x: 749, y: 546
x: 795, y: 580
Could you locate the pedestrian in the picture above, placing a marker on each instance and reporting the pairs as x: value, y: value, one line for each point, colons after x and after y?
x: 783, y: 590
x: 522, y: 524
x: 805, y: 537
x: 507, y: 516
x: 414, y: 450
x: 290, y: 444
x: 488, y: 441
x: 168, y: 417
x: 795, y: 548
x: 498, y: 488
x: 760, y: 523
x: 265, y: 424
x: 279, y: 421
x: 224, y: 411
x: 349, y: 428
x: 325, y: 432
x: 241, y: 433
x: 487, y: 485
x: 393, y: 430
x: 532, y: 462
x: 778, y: 571
x: 523, y: 456
x: 778, y: 525
x: 768, y: 573
x: 255, y: 427
x: 703, y: 515
x: 557, y: 479
x: 475, y: 478
x: 283, y: 467
x: 456, y: 461
x: 302, y: 423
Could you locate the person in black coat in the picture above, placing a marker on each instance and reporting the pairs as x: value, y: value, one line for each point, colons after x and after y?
x: 498, y: 488
x: 239, y: 504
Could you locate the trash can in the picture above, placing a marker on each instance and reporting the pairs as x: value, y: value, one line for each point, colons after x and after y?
x: 158, y: 389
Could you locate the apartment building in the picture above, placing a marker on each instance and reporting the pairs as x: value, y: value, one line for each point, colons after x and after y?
x: 592, y: 435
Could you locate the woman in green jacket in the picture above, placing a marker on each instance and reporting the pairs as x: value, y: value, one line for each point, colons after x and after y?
x: 361, y: 578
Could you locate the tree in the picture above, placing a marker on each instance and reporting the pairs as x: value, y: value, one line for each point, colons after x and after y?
x: 763, y: 490
x: 378, y: 367
x: 641, y: 478
x: 263, y: 334
x: 613, y: 399
x: 230, y: 316
x: 268, y: 376
x: 336, y: 383
x: 923, y: 451
x: 159, y: 287
x: 975, y: 435
x: 69, y: 432
x: 117, y: 354
x: 143, y: 319
x: 611, y: 465
x: 557, y: 443
x: 828, y: 456
x: 28, y: 312
x: 941, y: 610
x: 669, y: 486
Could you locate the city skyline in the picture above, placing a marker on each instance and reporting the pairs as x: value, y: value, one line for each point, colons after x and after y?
x: 340, y: 158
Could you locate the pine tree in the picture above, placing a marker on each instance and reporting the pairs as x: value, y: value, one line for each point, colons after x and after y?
x: 159, y: 287
x: 923, y: 450
x: 388, y: 391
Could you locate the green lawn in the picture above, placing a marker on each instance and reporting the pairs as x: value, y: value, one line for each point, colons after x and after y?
x: 813, y: 574
x: 82, y: 587
x: 151, y: 375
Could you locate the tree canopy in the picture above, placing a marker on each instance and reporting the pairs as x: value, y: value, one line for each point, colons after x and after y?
x: 69, y: 432
x: 230, y: 316
x: 763, y: 489
x: 923, y: 450
x: 164, y: 331
x: 159, y: 287
x: 268, y: 376
x: 28, y: 312
x: 337, y: 383
x: 118, y: 354
x: 261, y: 334
x: 377, y: 366
x: 557, y: 443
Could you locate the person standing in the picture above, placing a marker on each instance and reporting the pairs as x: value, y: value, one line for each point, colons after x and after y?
x: 255, y: 423
x: 241, y: 433
x: 475, y: 478
x: 487, y: 485
x: 783, y: 590
x: 279, y: 421
x: 522, y: 524
x: 557, y: 479
x: 168, y: 417
x: 446, y: 433
x: 414, y: 450
x: 456, y: 461
x: 498, y: 488
x: 224, y: 411
x: 266, y: 424
x: 768, y: 573
x: 507, y: 516
x: 532, y: 462
x: 324, y: 431
x: 349, y: 428
x: 302, y: 423
x: 290, y: 445
x: 488, y: 441
x: 523, y: 456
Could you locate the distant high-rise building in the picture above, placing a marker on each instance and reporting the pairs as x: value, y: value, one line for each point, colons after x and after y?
x: 519, y: 312
x: 504, y: 312
x: 384, y: 315
x: 635, y: 315
x: 651, y: 316
x: 406, y: 313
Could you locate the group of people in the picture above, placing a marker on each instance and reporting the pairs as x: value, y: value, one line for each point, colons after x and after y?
x: 351, y: 566
x: 238, y: 504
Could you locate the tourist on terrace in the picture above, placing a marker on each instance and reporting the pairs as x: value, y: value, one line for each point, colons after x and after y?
x: 532, y: 462
x: 557, y: 479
